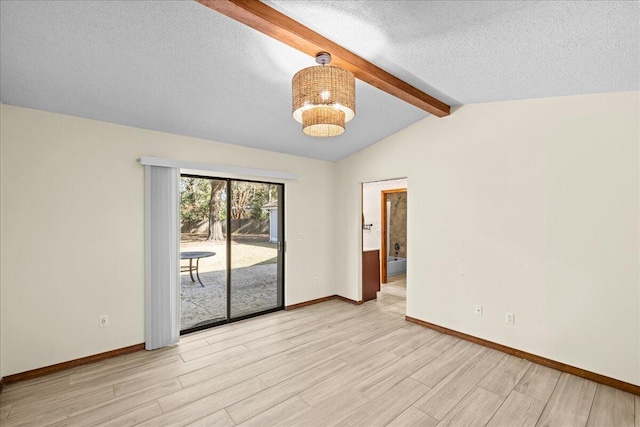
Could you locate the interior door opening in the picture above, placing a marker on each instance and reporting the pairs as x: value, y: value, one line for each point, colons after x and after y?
x: 393, y: 237
x: 384, y: 238
x: 231, y: 250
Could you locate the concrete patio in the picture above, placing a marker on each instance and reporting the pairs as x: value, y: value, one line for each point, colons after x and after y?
x: 253, y: 281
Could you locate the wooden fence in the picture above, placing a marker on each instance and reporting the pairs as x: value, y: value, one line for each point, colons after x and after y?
x: 239, y: 226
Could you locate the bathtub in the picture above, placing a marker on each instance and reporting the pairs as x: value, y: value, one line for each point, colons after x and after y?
x: 396, y: 266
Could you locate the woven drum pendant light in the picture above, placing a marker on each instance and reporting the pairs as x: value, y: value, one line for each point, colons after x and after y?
x: 323, y: 98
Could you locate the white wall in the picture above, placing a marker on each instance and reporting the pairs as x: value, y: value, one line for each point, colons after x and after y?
x: 371, y: 209
x: 526, y: 206
x: 72, y: 229
x: 529, y: 207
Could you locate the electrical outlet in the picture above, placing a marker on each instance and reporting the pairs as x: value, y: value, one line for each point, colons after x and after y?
x: 103, y: 321
x: 301, y: 237
x: 316, y: 281
x: 477, y: 310
x: 509, y: 318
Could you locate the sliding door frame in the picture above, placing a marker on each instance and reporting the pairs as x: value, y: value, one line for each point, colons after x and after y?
x: 280, y: 250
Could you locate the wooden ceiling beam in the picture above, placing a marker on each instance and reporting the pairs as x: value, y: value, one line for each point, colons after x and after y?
x: 269, y: 21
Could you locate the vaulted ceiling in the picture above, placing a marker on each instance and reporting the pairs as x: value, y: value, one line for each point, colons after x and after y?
x: 179, y: 67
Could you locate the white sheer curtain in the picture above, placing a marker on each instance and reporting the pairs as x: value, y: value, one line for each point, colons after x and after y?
x: 162, y: 256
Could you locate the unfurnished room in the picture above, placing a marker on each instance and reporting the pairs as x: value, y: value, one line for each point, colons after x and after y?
x: 319, y: 213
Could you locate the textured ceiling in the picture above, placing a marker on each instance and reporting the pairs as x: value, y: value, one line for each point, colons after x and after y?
x: 181, y: 68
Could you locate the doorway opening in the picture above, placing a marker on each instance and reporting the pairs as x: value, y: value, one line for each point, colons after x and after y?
x: 231, y: 250
x: 384, y: 231
x: 393, y: 237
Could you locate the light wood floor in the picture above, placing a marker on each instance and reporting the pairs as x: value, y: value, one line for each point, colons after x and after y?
x: 323, y: 365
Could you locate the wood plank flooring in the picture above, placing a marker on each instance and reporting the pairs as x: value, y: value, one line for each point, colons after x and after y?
x: 329, y: 364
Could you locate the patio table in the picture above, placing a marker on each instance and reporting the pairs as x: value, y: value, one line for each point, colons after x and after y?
x: 191, y: 256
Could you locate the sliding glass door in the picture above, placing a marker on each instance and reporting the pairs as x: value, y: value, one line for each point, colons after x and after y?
x: 203, y: 252
x: 255, y: 249
x: 231, y: 250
